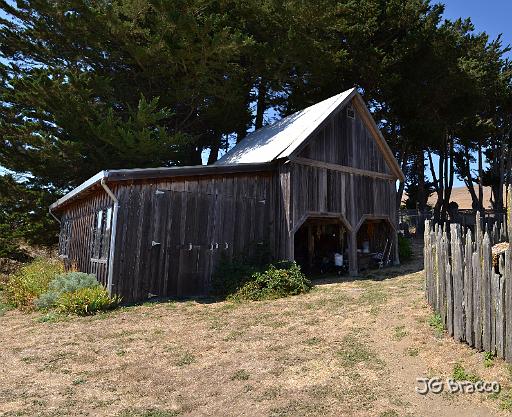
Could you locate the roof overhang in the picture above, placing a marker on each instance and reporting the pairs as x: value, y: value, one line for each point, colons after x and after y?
x: 120, y: 175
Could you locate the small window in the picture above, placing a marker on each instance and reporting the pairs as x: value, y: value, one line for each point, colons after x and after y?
x: 64, y: 238
x: 101, y: 234
x: 350, y: 112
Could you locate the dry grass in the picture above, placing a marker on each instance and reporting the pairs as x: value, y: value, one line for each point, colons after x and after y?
x: 346, y: 348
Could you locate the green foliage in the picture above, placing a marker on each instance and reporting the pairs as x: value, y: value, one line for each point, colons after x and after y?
x: 240, y: 375
x: 404, y: 248
x: 489, y: 359
x: 436, y: 322
x: 65, y: 283
x: 460, y: 374
x: 86, y: 301
x: 230, y: 276
x: 30, y: 281
x: 275, y: 282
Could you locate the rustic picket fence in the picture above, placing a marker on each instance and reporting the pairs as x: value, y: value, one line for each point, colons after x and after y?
x: 471, y: 292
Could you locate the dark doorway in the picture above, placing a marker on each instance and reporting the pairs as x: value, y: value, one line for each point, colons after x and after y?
x: 321, y: 246
x: 374, y: 244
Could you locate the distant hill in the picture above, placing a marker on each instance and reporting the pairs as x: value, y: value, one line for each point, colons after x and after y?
x: 462, y: 197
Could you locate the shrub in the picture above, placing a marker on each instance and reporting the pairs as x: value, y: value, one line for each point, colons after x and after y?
x: 230, y: 276
x: 63, y: 283
x: 30, y: 281
x: 86, y: 301
x: 404, y: 248
x: 275, y: 282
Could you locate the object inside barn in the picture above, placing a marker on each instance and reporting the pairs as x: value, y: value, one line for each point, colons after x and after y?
x: 321, y: 245
x: 313, y: 187
x: 374, y: 244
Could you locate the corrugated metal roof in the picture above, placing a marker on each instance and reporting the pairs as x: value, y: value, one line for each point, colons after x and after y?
x: 280, y: 139
x: 115, y: 175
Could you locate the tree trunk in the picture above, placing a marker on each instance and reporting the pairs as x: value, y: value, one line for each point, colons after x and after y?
x: 480, y: 175
x: 261, y: 104
x: 214, y: 152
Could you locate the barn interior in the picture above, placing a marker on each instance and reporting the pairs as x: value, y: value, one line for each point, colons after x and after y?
x: 321, y: 246
x: 374, y: 244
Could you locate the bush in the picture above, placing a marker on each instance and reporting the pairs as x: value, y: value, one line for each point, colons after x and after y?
x: 404, y: 248
x: 275, y: 282
x: 63, y: 283
x: 30, y: 281
x: 230, y: 276
x: 86, y: 301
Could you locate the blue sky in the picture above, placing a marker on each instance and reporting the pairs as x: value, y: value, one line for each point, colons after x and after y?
x: 491, y: 16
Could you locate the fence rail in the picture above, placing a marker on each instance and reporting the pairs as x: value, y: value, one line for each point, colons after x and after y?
x: 469, y: 286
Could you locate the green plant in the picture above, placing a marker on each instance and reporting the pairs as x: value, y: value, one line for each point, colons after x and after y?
x: 404, y: 248
x: 460, y: 374
x: 86, y: 301
x: 230, y: 276
x: 30, y: 281
x: 489, y: 359
x: 240, y: 375
x: 65, y: 283
x: 275, y: 282
x: 436, y: 322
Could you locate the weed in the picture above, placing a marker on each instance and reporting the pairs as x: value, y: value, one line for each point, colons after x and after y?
x: 313, y: 341
x: 51, y: 317
x: 353, y: 352
x: 489, y: 359
x: 436, y: 322
x: 389, y: 413
x: 86, y: 301
x: 185, y: 359
x: 412, y: 351
x: 79, y: 381
x: 400, y: 333
x: 30, y: 281
x: 240, y: 375
x: 460, y: 374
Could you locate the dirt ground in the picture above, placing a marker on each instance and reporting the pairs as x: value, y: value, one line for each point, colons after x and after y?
x: 347, y: 348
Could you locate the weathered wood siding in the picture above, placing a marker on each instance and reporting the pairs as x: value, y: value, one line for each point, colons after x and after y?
x: 81, y: 216
x: 171, y: 234
x: 345, y: 141
x: 321, y: 190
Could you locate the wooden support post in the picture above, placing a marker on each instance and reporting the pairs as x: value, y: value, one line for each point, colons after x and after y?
x: 352, y: 253
x: 396, y: 256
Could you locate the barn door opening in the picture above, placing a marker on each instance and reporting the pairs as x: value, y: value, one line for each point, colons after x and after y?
x: 375, y: 240
x: 321, y: 246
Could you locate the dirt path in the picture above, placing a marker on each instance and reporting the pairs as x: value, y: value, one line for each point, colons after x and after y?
x: 347, y: 348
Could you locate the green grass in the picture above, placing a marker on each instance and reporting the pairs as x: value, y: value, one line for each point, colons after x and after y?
x: 400, y: 333
x: 436, y: 323
x: 411, y: 351
x: 460, y: 374
x: 240, y: 375
x: 354, y: 352
x: 489, y: 359
x: 185, y: 359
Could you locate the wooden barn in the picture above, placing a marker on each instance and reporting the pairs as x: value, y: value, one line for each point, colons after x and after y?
x: 317, y: 184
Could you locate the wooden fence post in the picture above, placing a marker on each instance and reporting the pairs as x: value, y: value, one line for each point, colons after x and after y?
x: 457, y: 282
x: 468, y: 289
x: 507, y: 275
x: 477, y: 299
x: 486, y: 292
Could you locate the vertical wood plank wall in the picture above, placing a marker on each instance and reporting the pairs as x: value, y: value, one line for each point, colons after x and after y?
x: 82, y: 215
x: 347, y: 142
x: 171, y: 234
